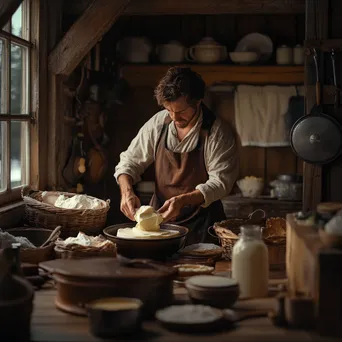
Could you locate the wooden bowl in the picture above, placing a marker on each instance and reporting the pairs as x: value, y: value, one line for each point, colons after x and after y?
x: 216, y: 291
x: 16, y: 306
x: 155, y: 249
x: 37, y: 236
x: 113, y: 316
x: 330, y: 240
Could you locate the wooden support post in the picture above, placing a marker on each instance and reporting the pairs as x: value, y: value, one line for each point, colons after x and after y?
x: 97, y: 19
x: 316, y: 28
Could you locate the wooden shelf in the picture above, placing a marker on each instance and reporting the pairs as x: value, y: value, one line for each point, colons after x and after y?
x: 149, y: 75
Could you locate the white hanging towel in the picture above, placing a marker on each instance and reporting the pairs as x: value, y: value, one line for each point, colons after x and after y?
x: 259, y: 114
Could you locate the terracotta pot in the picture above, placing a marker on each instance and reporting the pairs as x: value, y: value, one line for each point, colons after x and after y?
x: 81, y: 281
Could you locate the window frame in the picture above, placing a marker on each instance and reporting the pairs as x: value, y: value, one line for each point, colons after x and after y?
x: 32, y: 15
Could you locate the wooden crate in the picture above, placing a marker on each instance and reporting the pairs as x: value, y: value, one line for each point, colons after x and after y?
x: 317, y: 272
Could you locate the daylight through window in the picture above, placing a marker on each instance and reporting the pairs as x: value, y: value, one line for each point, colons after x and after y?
x: 14, y: 101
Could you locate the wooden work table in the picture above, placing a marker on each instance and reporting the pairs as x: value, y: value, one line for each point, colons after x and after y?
x: 51, y: 324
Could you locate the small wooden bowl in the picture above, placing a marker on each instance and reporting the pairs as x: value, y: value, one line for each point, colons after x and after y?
x: 219, y: 296
x: 330, y: 240
x: 107, y: 319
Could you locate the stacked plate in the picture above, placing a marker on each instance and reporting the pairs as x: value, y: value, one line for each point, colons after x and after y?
x: 202, y: 250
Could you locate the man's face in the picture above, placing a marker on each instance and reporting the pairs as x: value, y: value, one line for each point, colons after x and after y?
x: 181, y: 112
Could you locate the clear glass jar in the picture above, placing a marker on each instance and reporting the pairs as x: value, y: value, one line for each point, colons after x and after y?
x: 250, y: 263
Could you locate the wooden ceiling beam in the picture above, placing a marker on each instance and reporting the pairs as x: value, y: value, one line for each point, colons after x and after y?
x: 7, y: 9
x: 158, y: 7
x: 83, y: 35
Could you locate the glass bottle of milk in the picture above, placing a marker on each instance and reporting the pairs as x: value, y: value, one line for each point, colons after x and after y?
x: 250, y: 263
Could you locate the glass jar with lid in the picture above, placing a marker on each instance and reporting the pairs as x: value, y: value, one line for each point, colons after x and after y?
x: 250, y: 263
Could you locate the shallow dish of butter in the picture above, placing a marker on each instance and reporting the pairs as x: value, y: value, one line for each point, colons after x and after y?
x: 109, y: 317
x: 156, y: 248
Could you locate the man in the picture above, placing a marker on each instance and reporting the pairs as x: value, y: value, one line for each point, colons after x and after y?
x: 194, y: 153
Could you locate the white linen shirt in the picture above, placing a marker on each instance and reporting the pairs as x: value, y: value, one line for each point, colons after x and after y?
x: 220, y: 154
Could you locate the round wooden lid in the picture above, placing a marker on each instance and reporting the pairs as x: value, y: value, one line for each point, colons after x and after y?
x: 107, y: 268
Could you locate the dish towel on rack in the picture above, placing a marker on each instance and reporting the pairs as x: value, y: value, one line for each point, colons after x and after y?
x: 259, y: 114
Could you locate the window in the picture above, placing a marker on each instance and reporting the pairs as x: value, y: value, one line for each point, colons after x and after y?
x: 15, y: 106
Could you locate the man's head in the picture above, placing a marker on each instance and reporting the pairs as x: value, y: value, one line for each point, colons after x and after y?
x: 180, y: 91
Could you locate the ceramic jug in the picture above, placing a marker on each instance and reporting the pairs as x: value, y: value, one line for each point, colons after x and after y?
x: 134, y: 49
x: 207, y: 51
x: 172, y: 52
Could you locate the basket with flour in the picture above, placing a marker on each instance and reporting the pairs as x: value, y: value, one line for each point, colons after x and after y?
x: 40, y: 211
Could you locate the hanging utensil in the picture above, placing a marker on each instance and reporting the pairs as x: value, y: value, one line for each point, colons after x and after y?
x: 337, y: 95
x: 316, y: 138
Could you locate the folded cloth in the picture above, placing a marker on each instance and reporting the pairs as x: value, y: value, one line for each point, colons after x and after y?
x: 259, y: 114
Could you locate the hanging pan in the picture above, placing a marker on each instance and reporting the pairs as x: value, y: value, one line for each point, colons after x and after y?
x: 316, y: 138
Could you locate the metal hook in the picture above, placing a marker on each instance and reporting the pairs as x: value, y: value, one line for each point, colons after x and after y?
x: 316, y: 64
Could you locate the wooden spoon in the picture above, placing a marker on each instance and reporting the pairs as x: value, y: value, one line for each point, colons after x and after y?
x: 53, y: 236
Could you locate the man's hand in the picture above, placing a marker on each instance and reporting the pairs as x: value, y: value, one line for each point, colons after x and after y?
x: 129, y: 204
x: 129, y: 201
x: 171, y: 208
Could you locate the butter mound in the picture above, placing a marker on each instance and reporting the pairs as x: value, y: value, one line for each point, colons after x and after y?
x: 147, y: 227
x: 147, y: 219
x: 134, y: 233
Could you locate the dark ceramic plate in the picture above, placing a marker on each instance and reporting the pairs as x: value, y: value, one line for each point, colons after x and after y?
x: 155, y: 249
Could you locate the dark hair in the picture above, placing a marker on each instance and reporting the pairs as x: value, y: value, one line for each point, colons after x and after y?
x: 180, y: 82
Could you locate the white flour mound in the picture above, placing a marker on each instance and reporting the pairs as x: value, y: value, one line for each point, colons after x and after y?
x: 188, y: 314
x: 77, y: 202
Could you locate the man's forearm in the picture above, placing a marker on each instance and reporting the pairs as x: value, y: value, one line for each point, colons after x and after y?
x: 192, y: 198
x: 125, y: 183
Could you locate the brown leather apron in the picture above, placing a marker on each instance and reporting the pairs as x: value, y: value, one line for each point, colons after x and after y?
x: 178, y: 173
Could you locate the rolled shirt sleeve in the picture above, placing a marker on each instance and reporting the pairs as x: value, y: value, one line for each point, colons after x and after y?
x: 220, y: 154
x: 140, y: 153
x: 221, y: 163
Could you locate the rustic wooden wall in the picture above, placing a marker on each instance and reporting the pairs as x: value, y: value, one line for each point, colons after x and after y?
x: 125, y: 121
x: 189, y: 29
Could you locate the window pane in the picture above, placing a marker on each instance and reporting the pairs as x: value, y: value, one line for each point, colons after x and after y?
x: 2, y: 77
x: 19, y: 153
x: 19, y: 88
x: 3, y: 158
x: 17, y: 22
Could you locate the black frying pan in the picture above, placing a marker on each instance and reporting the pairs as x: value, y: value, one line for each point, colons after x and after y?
x: 316, y: 138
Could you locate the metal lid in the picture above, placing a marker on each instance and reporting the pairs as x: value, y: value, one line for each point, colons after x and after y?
x: 316, y: 139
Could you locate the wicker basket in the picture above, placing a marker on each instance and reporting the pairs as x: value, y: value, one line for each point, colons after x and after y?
x: 84, y: 253
x: 276, y: 251
x: 40, y: 214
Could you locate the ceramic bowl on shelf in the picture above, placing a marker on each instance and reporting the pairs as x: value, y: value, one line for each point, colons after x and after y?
x: 245, y: 57
x: 251, y: 186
